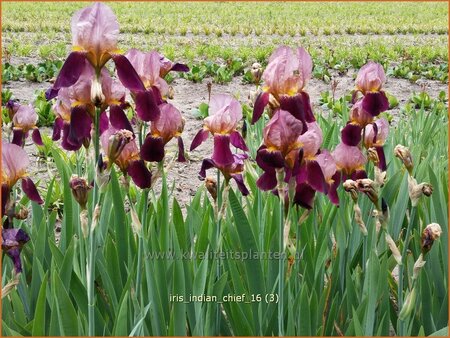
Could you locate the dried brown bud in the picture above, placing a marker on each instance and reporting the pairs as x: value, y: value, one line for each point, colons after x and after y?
x: 170, y: 93
x: 117, y: 142
x: 22, y: 214
x: 84, y: 220
x: 404, y: 154
x: 417, y: 190
x: 80, y: 189
x: 431, y: 233
x: 367, y: 186
x: 351, y: 187
x: 211, y: 186
x: 373, y: 155
x: 256, y: 72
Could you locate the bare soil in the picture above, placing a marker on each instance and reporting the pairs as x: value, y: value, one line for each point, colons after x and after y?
x: 188, y: 97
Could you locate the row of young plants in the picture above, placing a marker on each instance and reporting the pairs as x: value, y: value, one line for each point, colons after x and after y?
x: 232, y: 19
x: 372, y: 266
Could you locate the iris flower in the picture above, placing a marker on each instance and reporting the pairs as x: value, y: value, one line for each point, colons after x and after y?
x: 281, y: 148
x: 225, y: 112
x: 24, y: 120
x: 285, y: 77
x: 350, y: 161
x: 369, y: 82
x: 95, y: 32
x: 167, y: 66
x: 14, y: 168
x: 120, y: 148
x: 170, y: 124
x: 75, y: 109
x: 13, y: 241
x: 375, y: 136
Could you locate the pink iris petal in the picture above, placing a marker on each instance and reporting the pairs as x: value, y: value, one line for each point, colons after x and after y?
x: 147, y: 66
x: 359, y: 115
x: 95, y: 29
x: 288, y: 71
x: 25, y: 118
x: 225, y: 112
x: 348, y: 158
x: 112, y: 89
x: 311, y: 140
x: 378, y: 135
x: 14, y: 163
x: 327, y: 164
x: 238, y: 141
x: 370, y: 77
x: 169, y: 123
x: 166, y: 66
x: 282, y: 132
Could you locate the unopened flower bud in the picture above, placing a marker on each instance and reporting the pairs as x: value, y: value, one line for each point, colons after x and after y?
x: 136, y: 224
x: 80, y: 189
x: 95, y: 217
x: 97, y: 96
x: 359, y: 219
x: 418, y: 266
x: 373, y: 155
x: 211, y: 186
x: 417, y: 190
x: 380, y: 177
x: 256, y: 72
x: 394, y: 249
x: 367, y: 186
x: 117, y: 142
x: 404, y: 154
x: 431, y: 233
x: 351, y: 187
x: 170, y: 93
x: 102, y: 176
x: 209, y: 88
x: 409, y: 305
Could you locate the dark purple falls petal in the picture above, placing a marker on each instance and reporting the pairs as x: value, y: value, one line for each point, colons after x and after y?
x: 299, y: 106
x: 260, y: 103
x: 69, y: 73
x: 181, y: 157
x: 222, y: 155
x: 358, y: 174
x: 18, y: 137
x: 199, y: 138
x: 382, y: 159
x: 304, y: 195
x: 351, y: 134
x: 103, y: 122
x: 118, y: 119
x: 57, y: 128
x: 237, y: 141
x: 127, y: 74
x: 375, y: 103
x: 36, y: 137
x: 139, y: 173
x: 179, y: 67
x: 269, y: 159
x: 146, y: 106
x: 65, y: 142
x: 206, y: 164
x: 239, y: 179
x: 332, y: 190
x: 80, y: 125
x: 153, y: 149
x: 30, y: 190
x: 268, y: 180
x: 315, y: 177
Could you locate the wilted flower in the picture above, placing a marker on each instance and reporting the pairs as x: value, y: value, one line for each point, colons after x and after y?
x: 368, y: 187
x: 126, y: 155
x: 211, y: 186
x: 404, y: 154
x: 80, y: 189
x: 369, y: 82
x: 13, y: 241
x: 170, y: 124
x: 284, y: 78
x: 350, y: 161
x: 24, y: 120
x: 15, y: 163
x: 430, y: 234
x: 416, y: 190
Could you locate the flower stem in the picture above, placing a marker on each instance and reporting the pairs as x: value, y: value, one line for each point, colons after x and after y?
x: 90, y: 267
x: 401, y: 323
x: 218, y: 241
x: 280, y: 178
